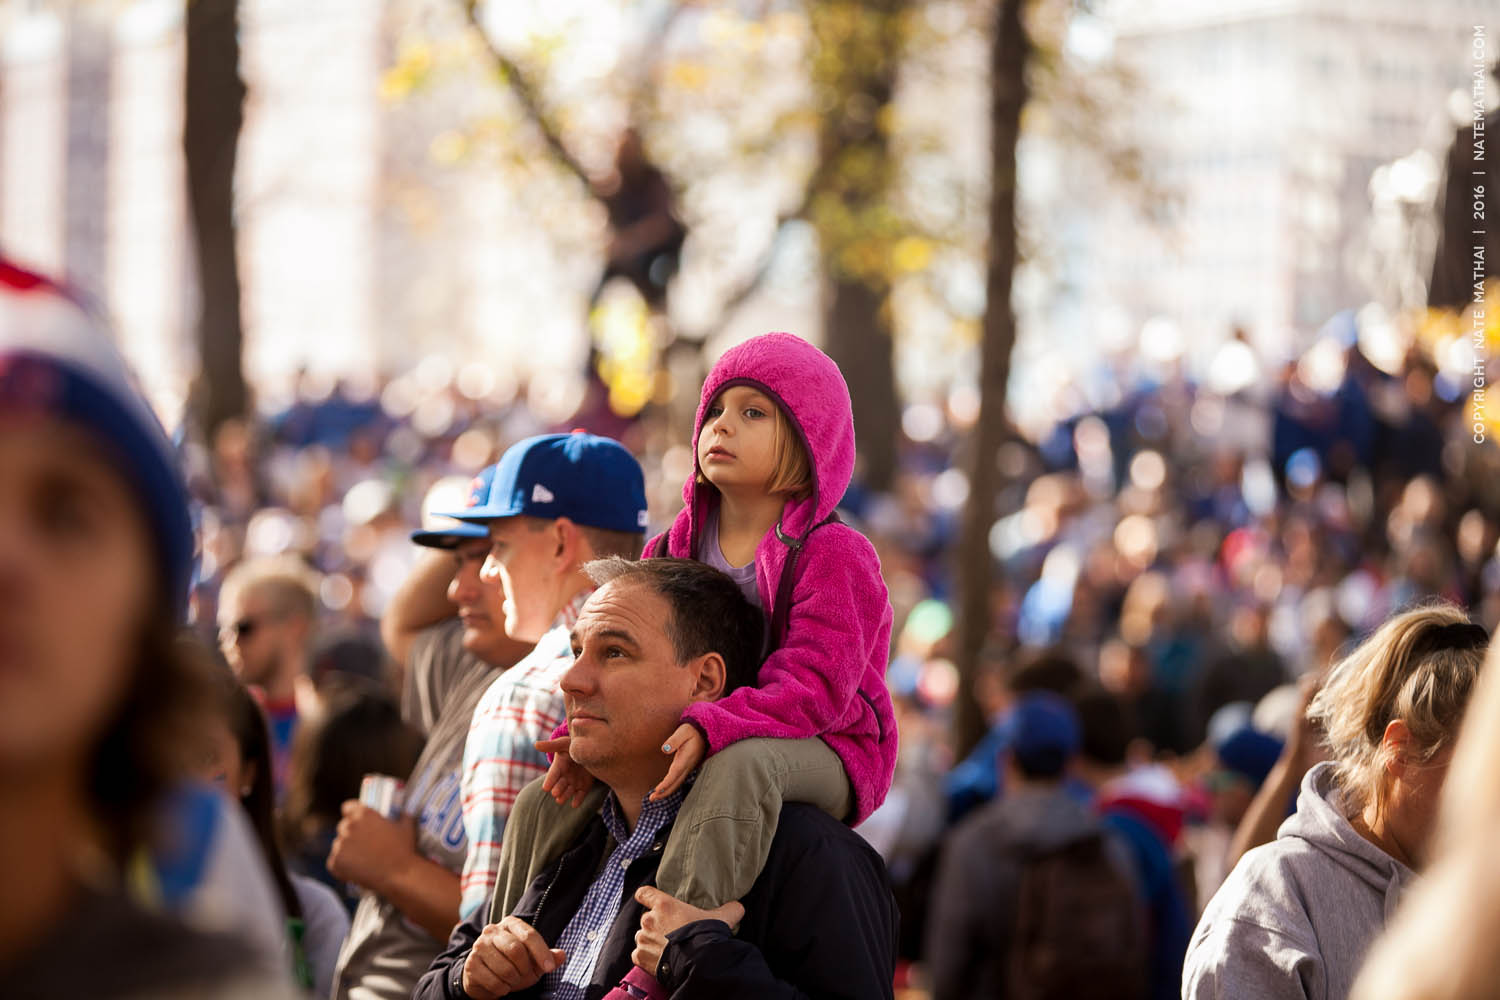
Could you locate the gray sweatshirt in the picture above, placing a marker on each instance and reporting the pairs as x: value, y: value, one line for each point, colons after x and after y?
x: 1296, y: 916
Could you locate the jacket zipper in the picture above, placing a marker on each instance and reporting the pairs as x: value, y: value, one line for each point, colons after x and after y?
x: 537, y: 917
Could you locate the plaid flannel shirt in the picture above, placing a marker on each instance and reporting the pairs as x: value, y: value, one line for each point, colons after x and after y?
x: 523, y: 705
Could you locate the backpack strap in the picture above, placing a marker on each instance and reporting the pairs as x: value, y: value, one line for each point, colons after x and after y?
x: 789, y: 580
x: 660, y: 548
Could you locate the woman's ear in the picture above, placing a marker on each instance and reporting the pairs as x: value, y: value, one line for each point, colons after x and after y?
x: 1396, y: 740
x: 711, y: 677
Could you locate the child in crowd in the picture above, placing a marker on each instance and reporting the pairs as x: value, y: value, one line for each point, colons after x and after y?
x: 360, y: 732
x: 774, y: 452
x: 240, y: 761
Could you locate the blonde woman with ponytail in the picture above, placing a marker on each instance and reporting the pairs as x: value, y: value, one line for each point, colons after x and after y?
x: 1296, y: 916
x: 1441, y: 945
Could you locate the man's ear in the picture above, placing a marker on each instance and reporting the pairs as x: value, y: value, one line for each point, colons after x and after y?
x: 711, y: 676
x: 562, y: 534
x: 299, y: 627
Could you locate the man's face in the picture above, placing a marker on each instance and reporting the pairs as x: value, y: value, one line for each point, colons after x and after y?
x: 626, y: 691
x: 481, y: 603
x: 525, y: 560
x: 254, y: 636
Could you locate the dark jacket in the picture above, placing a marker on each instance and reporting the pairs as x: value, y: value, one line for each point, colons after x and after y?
x: 978, y: 888
x: 820, y: 922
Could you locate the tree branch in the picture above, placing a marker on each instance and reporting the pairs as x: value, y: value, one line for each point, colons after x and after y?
x: 757, y: 277
x: 532, y: 106
x: 650, y: 59
x: 530, y: 102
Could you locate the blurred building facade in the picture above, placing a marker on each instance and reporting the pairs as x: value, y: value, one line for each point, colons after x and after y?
x: 1274, y: 116
x: 377, y: 230
x: 92, y: 174
x: 361, y: 250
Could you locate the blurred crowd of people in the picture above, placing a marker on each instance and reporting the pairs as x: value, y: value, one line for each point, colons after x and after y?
x: 1190, y: 556
x: 1183, y: 564
x: 1210, y: 611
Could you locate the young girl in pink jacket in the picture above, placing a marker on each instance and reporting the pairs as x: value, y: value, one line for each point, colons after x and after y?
x: 774, y: 454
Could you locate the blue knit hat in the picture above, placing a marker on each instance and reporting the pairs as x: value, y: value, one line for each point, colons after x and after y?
x: 1249, y: 753
x: 1041, y: 732
x: 56, y: 358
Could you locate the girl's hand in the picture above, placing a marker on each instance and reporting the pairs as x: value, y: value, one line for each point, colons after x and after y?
x: 566, y: 779
x: 665, y: 914
x: 687, y: 748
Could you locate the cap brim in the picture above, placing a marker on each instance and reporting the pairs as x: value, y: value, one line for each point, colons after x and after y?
x: 449, y: 538
x: 481, y: 515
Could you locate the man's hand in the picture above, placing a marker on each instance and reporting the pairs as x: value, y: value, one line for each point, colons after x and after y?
x: 687, y: 748
x: 566, y: 779
x: 368, y: 847
x: 664, y: 914
x: 508, y: 956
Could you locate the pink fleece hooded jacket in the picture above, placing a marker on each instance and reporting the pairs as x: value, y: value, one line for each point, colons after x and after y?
x: 826, y: 676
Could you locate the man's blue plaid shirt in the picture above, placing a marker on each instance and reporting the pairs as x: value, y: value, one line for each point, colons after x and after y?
x: 583, y: 938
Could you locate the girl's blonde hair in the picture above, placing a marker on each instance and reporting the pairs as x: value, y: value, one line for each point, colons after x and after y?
x: 792, y: 474
x: 1418, y: 667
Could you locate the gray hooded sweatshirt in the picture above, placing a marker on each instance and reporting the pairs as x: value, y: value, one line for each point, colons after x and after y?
x: 1296, y: 916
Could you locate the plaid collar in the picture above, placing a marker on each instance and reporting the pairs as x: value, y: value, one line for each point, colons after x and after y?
x: 568, y: 616
x: 654, y: 816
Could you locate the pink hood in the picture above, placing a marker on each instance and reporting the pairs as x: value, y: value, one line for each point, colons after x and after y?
x: 826, y: 674
x: 810, y: 389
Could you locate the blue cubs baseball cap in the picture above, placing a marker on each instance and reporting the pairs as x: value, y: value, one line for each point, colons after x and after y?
x: 593, y: 481
x: 455, y: 533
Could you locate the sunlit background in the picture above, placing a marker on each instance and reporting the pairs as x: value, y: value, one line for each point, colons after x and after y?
x: 1259, y: 164
x: 1238, y: 428
x: 1217, y: 195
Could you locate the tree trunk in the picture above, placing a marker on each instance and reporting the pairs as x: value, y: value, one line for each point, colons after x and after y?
x: 858, y: 338
x: 1008, y: 59
x: 855, y: 69
x: 215, y: 96
x: 1452, y: 284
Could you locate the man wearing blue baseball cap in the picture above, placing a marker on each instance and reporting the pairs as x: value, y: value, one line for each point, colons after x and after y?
x: 557, y: 501
x: 1032, y: 891
x: 445, y: 626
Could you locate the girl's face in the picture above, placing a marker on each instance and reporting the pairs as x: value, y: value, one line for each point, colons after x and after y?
x: 223, y: 765
x: 76, y: 582
x: 737, y: 446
